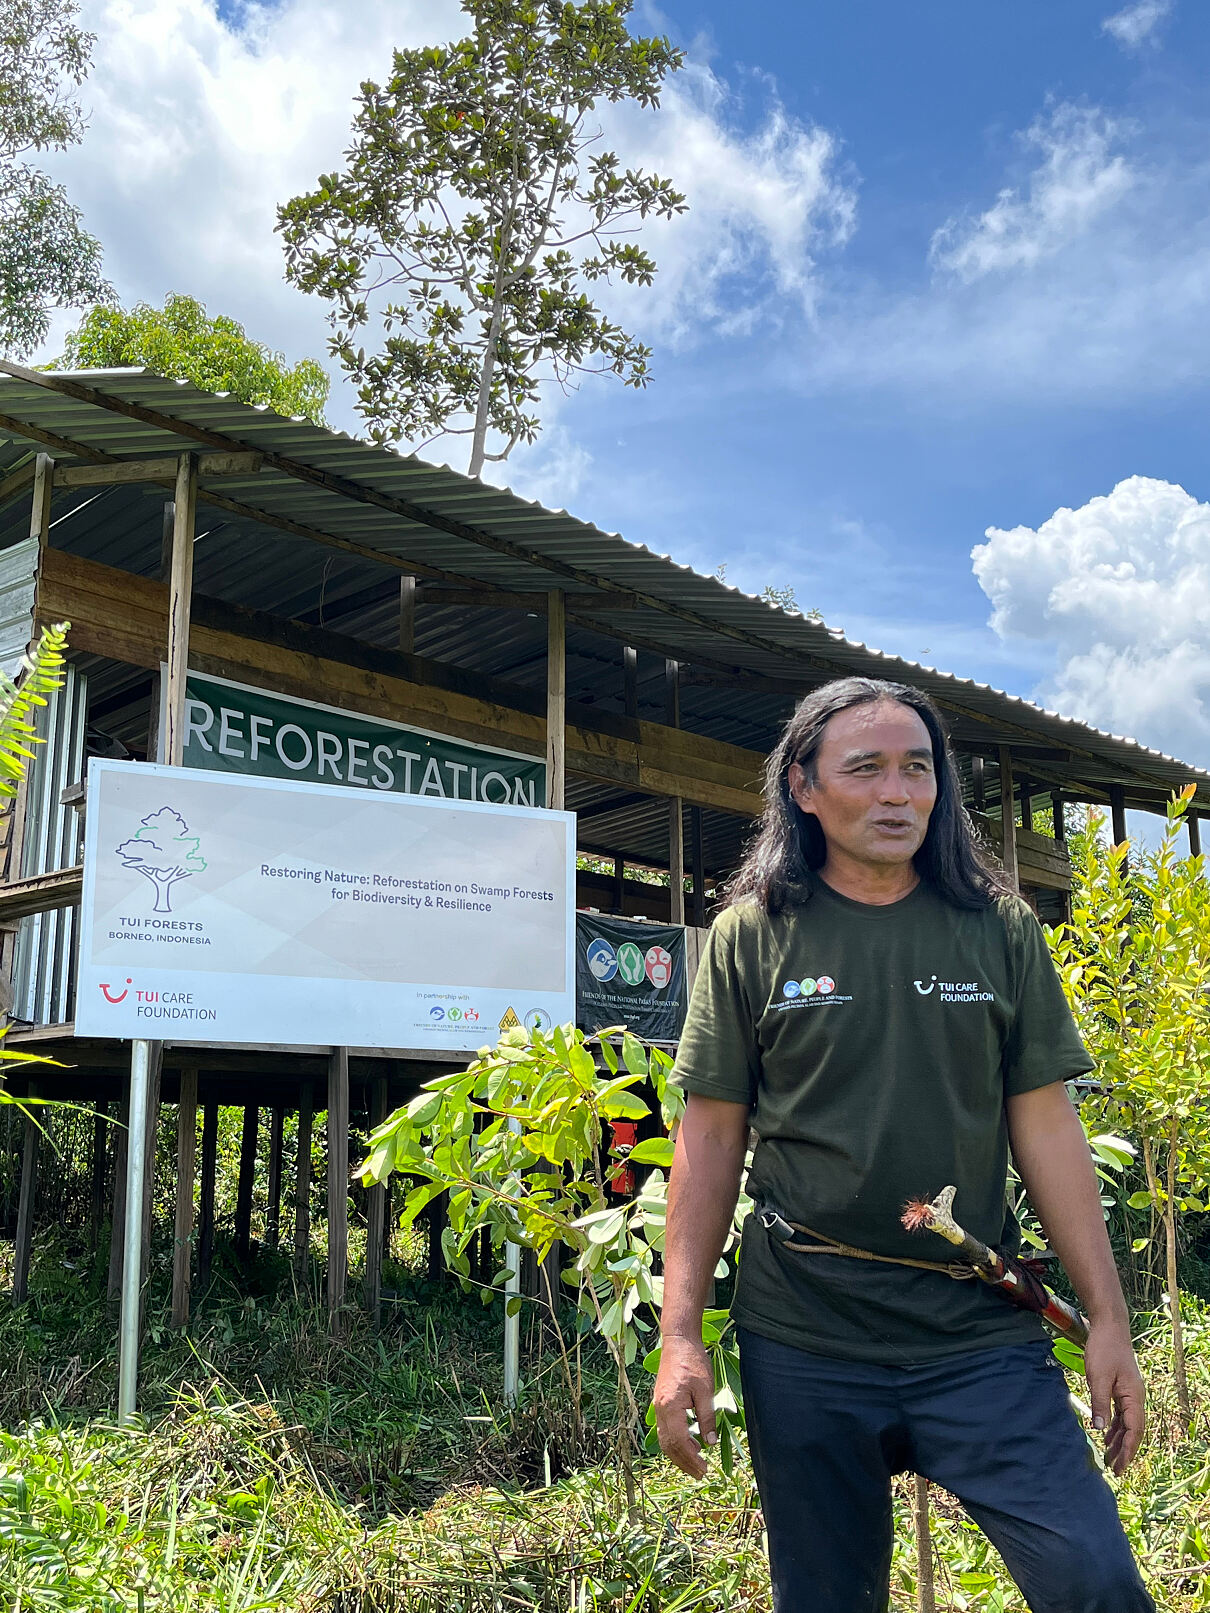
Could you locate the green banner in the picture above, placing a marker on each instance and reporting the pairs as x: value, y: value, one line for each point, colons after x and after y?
x: 232, y: 728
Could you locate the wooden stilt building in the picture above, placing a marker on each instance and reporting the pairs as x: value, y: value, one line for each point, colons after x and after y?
x: 185, y: 534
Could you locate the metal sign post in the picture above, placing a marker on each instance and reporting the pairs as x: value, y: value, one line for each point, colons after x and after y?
x: 132, y: 1256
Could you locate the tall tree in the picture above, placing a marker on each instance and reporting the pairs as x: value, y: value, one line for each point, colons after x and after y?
x: 47, y: 258
x: 475, y: 206
x: 181, y: 341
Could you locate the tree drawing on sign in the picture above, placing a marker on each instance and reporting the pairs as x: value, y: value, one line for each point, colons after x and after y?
x: 165, y: 851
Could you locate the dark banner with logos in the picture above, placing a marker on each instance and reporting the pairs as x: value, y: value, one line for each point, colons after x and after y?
x: 631, y: 974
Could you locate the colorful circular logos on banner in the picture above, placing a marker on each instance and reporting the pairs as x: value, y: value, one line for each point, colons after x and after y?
x: 631, y: 964
x: 537, y: 1019
x: 658, y: 965
x: 602, y: 960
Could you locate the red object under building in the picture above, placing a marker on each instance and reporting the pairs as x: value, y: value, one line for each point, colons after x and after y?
x: 625, y: 1135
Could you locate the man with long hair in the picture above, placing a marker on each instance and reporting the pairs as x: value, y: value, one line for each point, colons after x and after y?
x: 881, y: 1009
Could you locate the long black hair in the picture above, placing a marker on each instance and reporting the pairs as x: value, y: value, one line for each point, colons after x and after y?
x: 789, y: 841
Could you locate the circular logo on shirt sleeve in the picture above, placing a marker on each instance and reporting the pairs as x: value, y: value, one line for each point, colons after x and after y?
x: 808, y: 987
x: 825, y: 985
x: 791, y: 988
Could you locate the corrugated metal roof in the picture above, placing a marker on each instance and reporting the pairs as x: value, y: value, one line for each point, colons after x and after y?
x: 17, y: 566
x: 471, y: 531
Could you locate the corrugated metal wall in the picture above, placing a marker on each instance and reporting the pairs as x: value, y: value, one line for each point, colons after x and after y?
x: 44, y: 977
x: 18, y: 565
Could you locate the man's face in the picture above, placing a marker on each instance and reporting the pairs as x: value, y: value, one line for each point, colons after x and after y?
x: 875, y: 784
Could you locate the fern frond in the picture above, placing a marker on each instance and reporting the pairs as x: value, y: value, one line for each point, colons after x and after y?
x: 41, y: 674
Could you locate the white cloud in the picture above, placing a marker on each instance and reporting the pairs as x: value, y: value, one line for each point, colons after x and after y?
x: 1135, y: 25
x: 200, y: 128
x: 1089, y: 277
x: 1120, y: 589
x: 1079, y: 177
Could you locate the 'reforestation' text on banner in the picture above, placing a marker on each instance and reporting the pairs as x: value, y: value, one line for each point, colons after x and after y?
x: 234, y: 728
x: 247, y: 910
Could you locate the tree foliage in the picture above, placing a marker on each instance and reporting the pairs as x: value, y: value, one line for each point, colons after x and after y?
x: 474, y: 208
x: 47, y: 258
x: 181, y: 341
x: 1135, y: 963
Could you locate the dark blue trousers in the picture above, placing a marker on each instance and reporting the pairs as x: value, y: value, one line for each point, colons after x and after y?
x: 994, y: 1427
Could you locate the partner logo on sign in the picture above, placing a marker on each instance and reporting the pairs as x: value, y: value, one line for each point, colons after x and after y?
x: 537, y: 1019
x: 121, y: 997
x: 631, y: 964
x: 658, y: 966
x: 602, y: 960
x: 163, y: 850
x: 436, y: 1011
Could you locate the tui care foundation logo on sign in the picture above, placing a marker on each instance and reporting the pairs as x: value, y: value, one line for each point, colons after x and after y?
x: 233, y: 728
x: 165, y: 852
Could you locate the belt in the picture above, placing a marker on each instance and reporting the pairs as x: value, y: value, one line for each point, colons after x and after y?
x: 783, y: 1231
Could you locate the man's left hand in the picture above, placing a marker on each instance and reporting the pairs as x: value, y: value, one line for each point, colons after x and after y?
x: 1115, y: 1388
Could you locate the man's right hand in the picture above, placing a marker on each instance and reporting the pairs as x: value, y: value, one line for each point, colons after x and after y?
x: 684, y: 1384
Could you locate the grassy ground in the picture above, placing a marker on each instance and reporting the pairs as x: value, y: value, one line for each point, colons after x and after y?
x: 373, y: 1474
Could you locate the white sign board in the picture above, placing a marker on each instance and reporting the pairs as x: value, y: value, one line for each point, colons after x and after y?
x: 220, y: 908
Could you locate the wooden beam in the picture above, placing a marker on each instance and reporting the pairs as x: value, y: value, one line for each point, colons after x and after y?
x: 480, y: 597
x: 556, y: 701
x: 186, y: 1158
x: 1117, y: 808
x: 407, y: 615
x: 302, y: 1183
x: 161, y: 469
x: 16, y: 482
x: 619, y: 883
x: 41, y: 893
x: 338, y: 1180
x: 698, y: 864
x: 1193, y: 824
x: 1057, y: 818
x: 39, y: 514
x: 180, y: 600
x: 1008, y: 846
x: 630, y: 681
x: 205, y: 1239
x: 247, y: 1181
x: 273, y: 1186
x: 676, y: 819
x: 26, y: 1201
x: 96, y: 1197
x: 978, y: 784
x: 376, y: 1206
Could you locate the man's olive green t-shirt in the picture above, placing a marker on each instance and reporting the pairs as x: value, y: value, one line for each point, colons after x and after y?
x: 875, y: 1048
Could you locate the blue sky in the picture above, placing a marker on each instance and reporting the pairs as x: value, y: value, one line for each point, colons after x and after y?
x: 946, y: 270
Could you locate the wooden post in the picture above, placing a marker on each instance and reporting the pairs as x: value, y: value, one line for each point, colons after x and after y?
x: 96, y: 1198
x: 375, y: 1212
x: 676, y: 821
x: 1057, y: 817
x: 205, y: 1231
x: 180, y: 594
x: 338, y: 1179
x: 630, y: 681
x: 25, y: 1209
x: 154, y: 1080
x: 978, y: 784
x: 247, y: 1180
x: 1027, y: 806
x: 619, y: 883
x: 698, y: 864
x: 1117, y: 808
x: 186, y: 1158
x: 556, y: 699
x: 1008, y: 849
x: 1193, y: 824
x: 277, y: 1120
x: 302, y: 1182
x: 44, y: 487
x: 407, y: 615
x: 436, y: 1217
x: 117, y: 1231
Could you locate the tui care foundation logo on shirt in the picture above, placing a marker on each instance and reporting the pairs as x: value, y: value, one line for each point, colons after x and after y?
x: 954, y: 991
